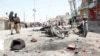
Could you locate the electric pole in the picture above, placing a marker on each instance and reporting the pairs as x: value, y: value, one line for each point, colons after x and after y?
x: 24, y: 16
x: 71, y: 6
x: 74, y: 4
x: 34, y: 11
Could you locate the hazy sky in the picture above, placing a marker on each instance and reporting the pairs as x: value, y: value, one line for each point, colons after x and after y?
x: 49, y: 8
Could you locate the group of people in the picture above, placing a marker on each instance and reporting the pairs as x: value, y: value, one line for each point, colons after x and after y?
x: 14, y: 22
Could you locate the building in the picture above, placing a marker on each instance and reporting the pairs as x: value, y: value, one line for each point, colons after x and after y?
x: 59, y: 20
x: 4, y: 23
x: 94, y: 10
x: 83, y: 8
x: 90, y: 8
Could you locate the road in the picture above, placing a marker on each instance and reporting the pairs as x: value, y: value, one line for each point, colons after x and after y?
x: 52, y: 46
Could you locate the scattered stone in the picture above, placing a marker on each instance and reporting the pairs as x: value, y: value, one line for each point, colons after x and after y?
x: 71, y: 47
x: 16, y: 50
x: 62, y: 51
x: 77, y: 39
x: 26, y: 51
x: 99, y: 47
x: 51, y: 40
x: 5, y: 55
x: 33, y: 40
x: 76, y: 52
x: 38, y: 51
x: 97, y: 41
x: 29, y: 35
x: 83, y: 50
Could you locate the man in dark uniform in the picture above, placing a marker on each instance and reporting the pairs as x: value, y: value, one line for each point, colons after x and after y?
x: 11, y: 19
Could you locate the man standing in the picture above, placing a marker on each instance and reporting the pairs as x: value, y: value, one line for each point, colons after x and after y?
x: 83, y: 27
x: 11, y: 19
x: 17, y: 23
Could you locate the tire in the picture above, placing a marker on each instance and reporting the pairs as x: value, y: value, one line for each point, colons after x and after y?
x: 84, y: 33
x: 57, y: 32
x: 85, y: 30
x: 17, y: 44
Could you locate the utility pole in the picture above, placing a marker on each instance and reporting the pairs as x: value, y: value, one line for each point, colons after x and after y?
x: 74, y: 4
x: 24, y: 16
x: 34, y: 11
x: 71, y: 8
x: 46, y: 17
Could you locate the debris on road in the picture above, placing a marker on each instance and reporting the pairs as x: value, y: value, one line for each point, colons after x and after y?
x: 76, y: 52
x: 17, y: 44
x: 97, y: 41
x: 5, y: 55
x: 71, y: 47
x: 38, y: 51
x: 40, y: 44
x: 99, y: 47
x: 33, y: 40
x: 50, y: 40
x: 84, y: 50
x: 29, y: 35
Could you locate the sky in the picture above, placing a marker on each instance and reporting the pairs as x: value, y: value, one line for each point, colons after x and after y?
x: 45, y: 9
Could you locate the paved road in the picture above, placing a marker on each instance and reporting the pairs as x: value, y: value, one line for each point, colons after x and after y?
x: 4, y: 34
x: 57, y: 47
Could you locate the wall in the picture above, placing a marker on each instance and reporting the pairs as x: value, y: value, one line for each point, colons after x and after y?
x: 1, y: 25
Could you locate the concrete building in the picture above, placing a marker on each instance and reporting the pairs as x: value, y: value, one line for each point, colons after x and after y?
x: 90, y: 8
x: 4, y: 23
x: 59, y: 20
x: 83, y: 8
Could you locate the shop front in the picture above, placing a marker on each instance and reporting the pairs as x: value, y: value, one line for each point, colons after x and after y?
x: 94, y: 12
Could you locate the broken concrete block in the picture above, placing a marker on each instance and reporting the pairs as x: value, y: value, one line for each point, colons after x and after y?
x: 71, y: 47
x: 33, y: 40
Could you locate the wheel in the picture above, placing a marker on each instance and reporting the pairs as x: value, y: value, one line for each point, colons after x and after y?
x: 85, y: 30
x: 84, y: 33
x: 57, y: 32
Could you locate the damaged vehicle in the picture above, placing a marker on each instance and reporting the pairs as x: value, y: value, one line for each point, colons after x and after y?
x: 57, y: 31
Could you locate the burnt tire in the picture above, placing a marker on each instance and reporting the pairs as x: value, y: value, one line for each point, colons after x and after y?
x: 17, y: 44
